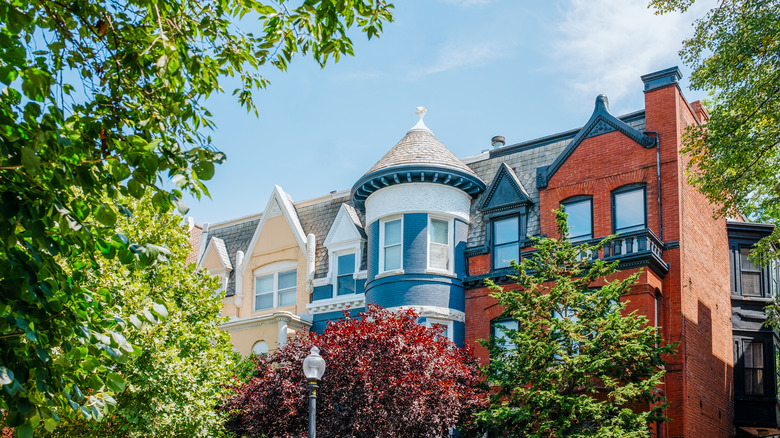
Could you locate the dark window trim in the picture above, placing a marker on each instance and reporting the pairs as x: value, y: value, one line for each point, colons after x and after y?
x: 624, y: 189
x: 522, y: 214
x: 580, y: 198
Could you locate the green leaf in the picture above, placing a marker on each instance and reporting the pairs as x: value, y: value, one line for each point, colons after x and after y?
x: 8, y: 74
x: 6, y: 376
x: 30, y: 160
x: 160, y: 309
x: 24, y: 431
x: 181, y: 206
x: 106, y: 215
x: 115, y: 382
x: 204, y: 170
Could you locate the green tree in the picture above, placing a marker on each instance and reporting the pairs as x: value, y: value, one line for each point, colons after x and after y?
x: 101, y: 99
x: 185, y: 365
x: 576, y: 366
x: 735, y: 158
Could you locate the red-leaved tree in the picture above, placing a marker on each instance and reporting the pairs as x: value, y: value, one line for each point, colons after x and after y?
x: 386, y: 376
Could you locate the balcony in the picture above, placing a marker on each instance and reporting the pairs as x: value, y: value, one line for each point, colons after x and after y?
x: 634, y: 249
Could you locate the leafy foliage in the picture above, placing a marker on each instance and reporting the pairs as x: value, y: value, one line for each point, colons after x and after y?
x: 386, y: 375
x: 101, y: 99
x: 576, y: 366
x: 185, y: 363
x: 735, y: 158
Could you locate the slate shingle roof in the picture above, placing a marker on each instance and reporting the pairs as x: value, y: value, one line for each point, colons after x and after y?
x: 236, y: 237
x: 419, y: 146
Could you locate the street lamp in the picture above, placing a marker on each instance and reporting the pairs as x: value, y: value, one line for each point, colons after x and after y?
x: 313, y: 369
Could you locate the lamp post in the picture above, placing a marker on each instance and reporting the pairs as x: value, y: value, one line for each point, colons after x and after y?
x: 313, y: 369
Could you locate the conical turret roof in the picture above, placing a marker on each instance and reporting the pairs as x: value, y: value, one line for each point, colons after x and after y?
x: 419, y: 146
x: 418, y: 157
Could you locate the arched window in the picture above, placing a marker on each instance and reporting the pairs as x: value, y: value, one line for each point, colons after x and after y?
x: 260, y: 348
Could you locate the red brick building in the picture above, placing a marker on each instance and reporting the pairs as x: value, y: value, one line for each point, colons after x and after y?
x: 628, y: 174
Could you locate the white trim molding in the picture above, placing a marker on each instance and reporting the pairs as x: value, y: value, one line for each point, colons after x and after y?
x: 434, y: 312
x: 418, y: 198
x: 341, y: 302
x: 261, y: 320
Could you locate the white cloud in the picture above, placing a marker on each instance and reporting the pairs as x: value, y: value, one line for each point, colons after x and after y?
x: 605, y: 45
x: 455, y: 56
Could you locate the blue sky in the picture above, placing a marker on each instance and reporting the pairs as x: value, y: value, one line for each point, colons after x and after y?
x: 521, y: 69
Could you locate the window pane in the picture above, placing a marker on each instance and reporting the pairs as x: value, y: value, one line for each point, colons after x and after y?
x: 747, y: 264
x: 751, y: 284
x: 264, y: 301
x: 287, y: 279
x: 506, y: 230
x: 579, y: 220
x: 393, y: 258
x: 440, y: 256
x: 286, y: 297
x: 264, y: 284
x: 346, y: 264
x: 504, y: 253
x: 345, y: 285
x: 630, y: 210
x: 498, y: 329
x: 440, y: 231
x: 392, y: 232
x: 260, y: 348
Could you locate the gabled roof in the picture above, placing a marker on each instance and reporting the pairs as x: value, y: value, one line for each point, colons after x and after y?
x: 346, y: 227
x: 505, y: 192
x: 218, y: 245
x: 279, y: 204
x: 601, y: 122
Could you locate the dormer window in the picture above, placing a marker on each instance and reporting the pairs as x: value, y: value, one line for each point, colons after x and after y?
x: 345, y: 279
x: 507, y: 236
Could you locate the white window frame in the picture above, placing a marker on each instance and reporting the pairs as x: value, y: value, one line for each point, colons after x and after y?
x: 450, y: 244
x: 334, y: 258
x: 274, y: 269
x: 382, y: 223
x: 430, y: 322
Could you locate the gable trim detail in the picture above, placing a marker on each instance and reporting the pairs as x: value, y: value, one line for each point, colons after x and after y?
x: 600, y: 122
x: 505, y: 173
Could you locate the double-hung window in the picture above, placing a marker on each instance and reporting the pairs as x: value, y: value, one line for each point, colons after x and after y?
x: 345, y: 278
x: 629, y: 211
x: 753, y: 360
x: 445, y: 326
x: 579, y: 210
x: 391, y: 243
x: 499, y: 329
x: 751, y: 274
x: 276, y: 290
x: 507, y: 237
x: 439, y: 244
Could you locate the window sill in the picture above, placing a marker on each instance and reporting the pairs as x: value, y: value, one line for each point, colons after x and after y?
x: 442, y: 272
x: 389, y: 273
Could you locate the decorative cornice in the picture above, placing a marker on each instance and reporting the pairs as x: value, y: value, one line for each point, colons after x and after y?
x: 414, y: 173
x: 662, y: 78
x: 261, y: 320
x: 434, y: 312
x: 601, y: 122
x: 344, y: 302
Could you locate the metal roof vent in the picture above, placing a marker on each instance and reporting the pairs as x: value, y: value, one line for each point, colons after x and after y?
x: 498, y: 141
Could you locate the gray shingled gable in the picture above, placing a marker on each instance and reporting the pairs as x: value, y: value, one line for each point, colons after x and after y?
x: 236, y: 238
